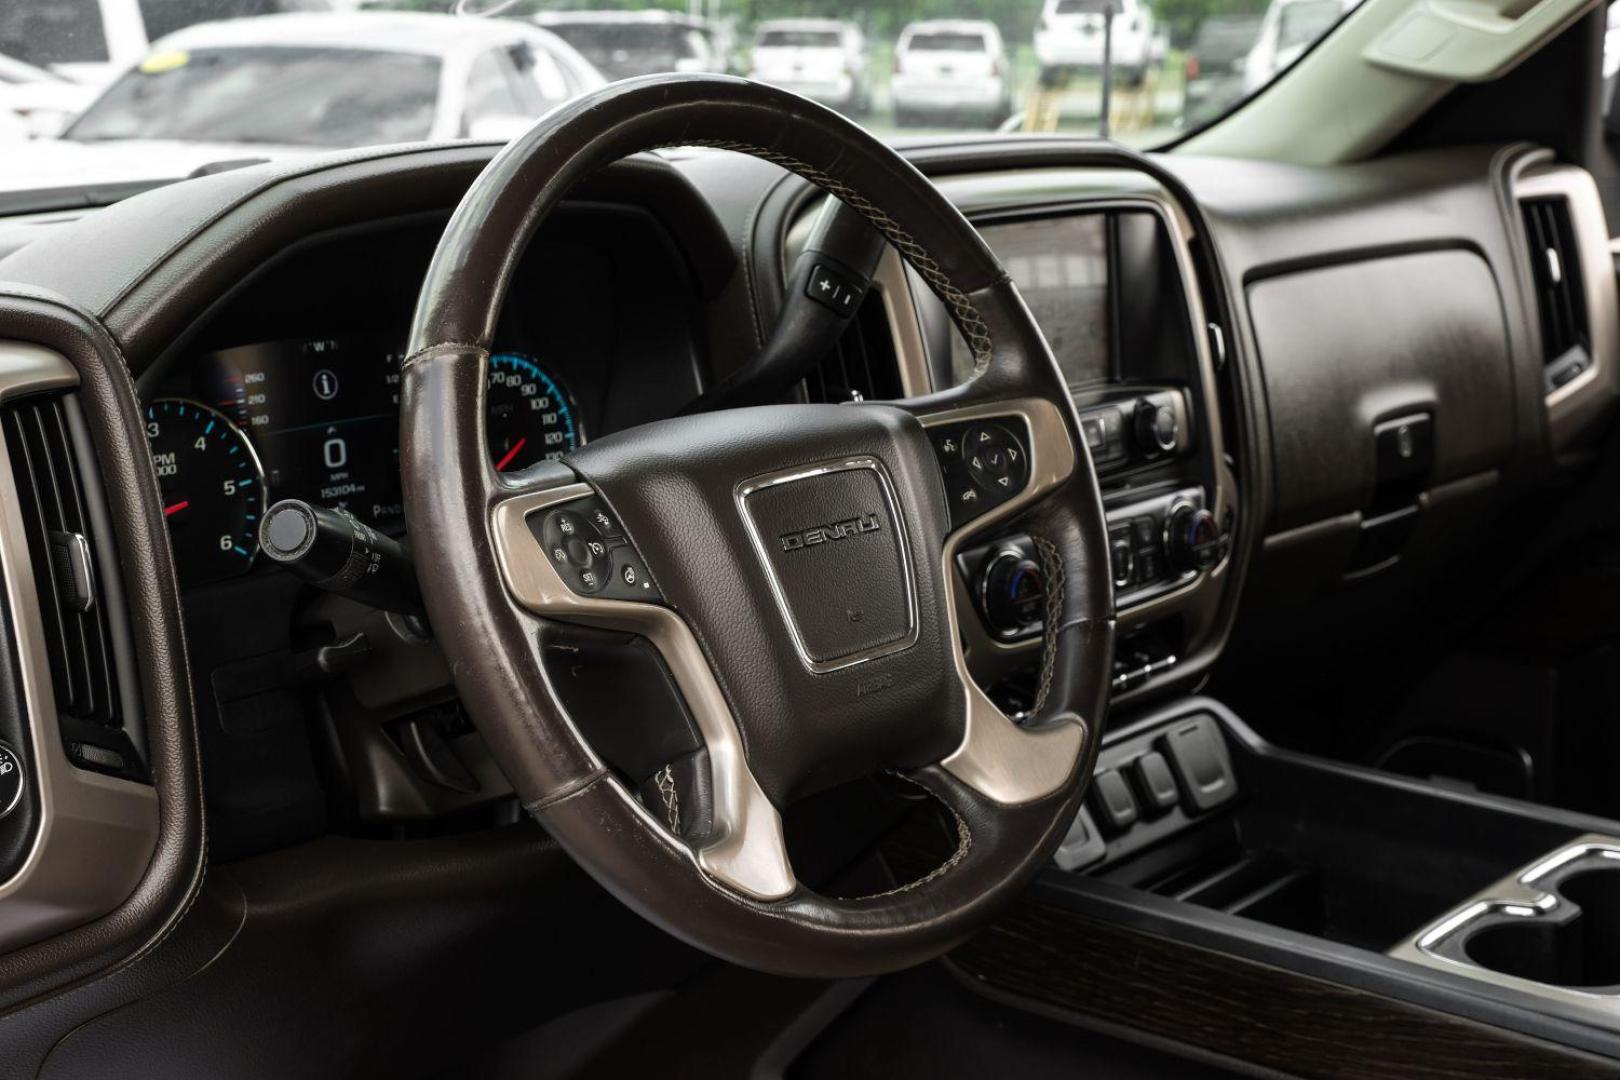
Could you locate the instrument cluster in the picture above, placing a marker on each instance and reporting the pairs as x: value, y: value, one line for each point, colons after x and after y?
x: 317, y: 419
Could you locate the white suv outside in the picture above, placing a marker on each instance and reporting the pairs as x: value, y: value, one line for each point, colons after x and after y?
x: 1070, y: 39
x: 953, y: 68
x: 823, y: 59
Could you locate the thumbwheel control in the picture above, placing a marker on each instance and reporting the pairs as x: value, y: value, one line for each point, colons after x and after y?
x: 586, y: 545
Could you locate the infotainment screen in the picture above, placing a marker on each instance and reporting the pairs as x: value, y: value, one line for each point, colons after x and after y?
x: 1061, y: 268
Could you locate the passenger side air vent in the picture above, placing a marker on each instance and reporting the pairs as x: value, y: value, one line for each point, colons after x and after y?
x: 862, y: 366
x: 1555, y: 265
x: 82, y: 616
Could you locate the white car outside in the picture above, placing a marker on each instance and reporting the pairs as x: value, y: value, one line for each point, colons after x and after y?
x: 283, y: 85
x: 1070, y: 39
x: 40, y: 102
x: 954, y: 68
x: 823, y: 59
x: 624, y: 44
x: 1287, y: 29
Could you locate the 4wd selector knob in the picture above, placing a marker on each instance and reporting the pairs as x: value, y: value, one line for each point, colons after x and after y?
x: 1192, y: 538
x: 1157, y: 429
x: 1012, y: 593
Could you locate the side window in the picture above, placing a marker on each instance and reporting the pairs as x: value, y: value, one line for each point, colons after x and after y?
x: 45, y: 32
x: 540, y: 81
x: 489, y: 91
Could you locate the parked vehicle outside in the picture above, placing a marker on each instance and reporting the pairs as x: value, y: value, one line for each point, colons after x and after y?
x: 823, y: 59
x: 1070, y: 38
x: 1287, y: 29
x: 1214, y: 67
x: 289, y: 84
x: 954, y: 69
x: 623, y: 44
x: 40, y: 102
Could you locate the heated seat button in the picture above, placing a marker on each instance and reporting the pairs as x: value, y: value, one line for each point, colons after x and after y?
x: 1111, y: 799
x: 1155, y: 782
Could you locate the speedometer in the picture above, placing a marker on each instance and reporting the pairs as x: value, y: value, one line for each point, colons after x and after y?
x: 212, y: 486
x: 530, y: 416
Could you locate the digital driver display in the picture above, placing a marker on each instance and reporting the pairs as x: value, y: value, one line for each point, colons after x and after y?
x: 1060, y: 266
x: 324, y: 416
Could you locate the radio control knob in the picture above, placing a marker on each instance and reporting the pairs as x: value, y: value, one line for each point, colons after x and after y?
x: 1192, y: 538
x: 1012, y: 593
x: 1157, y: 429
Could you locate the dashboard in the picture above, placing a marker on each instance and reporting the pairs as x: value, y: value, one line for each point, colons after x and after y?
x: 291, y: 390
x: 1215, y: 342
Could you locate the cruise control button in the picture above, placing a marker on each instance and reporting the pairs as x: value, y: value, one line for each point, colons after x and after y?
x: 629, y: 579
x: 600, y: 518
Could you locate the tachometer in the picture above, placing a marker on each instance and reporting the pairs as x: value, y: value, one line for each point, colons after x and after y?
x: 212, y: 485
x: 530, y: 416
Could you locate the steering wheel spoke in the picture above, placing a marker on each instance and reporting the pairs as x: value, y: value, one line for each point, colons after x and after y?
x: 543, y: 542
x: 997, y: 459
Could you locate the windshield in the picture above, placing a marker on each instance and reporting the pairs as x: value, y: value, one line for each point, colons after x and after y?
x: 291, y: 96
x: 91, y: 87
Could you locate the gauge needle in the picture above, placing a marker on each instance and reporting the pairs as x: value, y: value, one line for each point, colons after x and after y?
x: 176, y: 508
x: 500, y: 466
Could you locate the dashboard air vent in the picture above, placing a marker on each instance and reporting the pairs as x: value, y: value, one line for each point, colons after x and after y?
x: 64, y: 548
x: 1555, y: 265
x: 862, y: 366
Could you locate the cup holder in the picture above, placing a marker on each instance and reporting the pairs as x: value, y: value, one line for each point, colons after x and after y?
x: 1549, y: 931
x: 1575, y: 945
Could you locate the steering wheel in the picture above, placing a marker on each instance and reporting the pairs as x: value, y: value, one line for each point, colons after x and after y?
x: 791, y: 564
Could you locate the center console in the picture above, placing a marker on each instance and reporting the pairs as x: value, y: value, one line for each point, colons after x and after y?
x: 1215, y: 887
x: 1112, y: 289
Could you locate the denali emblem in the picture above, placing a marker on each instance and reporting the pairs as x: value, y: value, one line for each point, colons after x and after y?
x: 838, y: 530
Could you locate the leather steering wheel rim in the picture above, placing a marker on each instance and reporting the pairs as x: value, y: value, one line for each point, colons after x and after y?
x: 495, y: 600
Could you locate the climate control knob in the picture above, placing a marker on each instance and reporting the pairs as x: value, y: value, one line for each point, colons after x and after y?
x: 1157, y: 429
x: 1192, y: 538
x: 1012, y: 593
